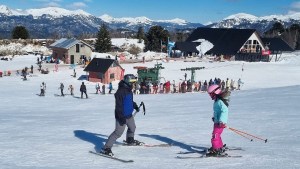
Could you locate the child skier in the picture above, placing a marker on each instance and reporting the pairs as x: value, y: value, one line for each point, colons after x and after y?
x: 123, y: 115
x: 71, y: 88
x: 97, y: 88
x: 43, y: 89
x: 220, y: 117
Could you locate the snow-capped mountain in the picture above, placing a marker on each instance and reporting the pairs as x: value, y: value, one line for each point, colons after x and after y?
x: 52, y: 11
x: 134, y: 23
x: 261, y: 24
x: 140, y: 20
x: 54, y: 21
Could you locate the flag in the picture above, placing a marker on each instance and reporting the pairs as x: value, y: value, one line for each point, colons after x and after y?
x: 170, y: 46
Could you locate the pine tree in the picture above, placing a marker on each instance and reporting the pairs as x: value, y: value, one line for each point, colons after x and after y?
x: 103, y: 42
x: 140, y: 34
x: 20, y: 32
x: 276, y: 30
x: 154, y: 38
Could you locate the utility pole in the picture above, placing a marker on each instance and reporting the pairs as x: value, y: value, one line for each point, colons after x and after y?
x: 193, y: 73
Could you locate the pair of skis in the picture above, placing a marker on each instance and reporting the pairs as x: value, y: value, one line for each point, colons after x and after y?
x: 112, y: 157
x: 179, y: 156
x: 203, y: 154
x: 129, y: 161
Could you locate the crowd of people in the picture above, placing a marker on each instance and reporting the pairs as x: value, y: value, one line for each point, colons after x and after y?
x: 185, y: 86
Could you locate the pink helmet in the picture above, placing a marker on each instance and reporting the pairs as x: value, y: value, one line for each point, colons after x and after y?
x: 214, y: 89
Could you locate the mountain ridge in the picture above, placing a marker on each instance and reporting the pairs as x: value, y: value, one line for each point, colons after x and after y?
x: 48, y: 21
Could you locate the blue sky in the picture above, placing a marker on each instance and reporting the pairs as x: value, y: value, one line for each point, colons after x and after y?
x: 200, y: 11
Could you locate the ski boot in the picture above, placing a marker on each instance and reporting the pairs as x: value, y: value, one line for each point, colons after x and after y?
x: 224, y: 148
x: 216, y: 152
x: 132, y: 142
x: 107, y: 151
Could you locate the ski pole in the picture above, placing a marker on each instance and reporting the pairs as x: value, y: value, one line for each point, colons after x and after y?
x: 241, y: 134
x: 142, y: 104
x: 248, y: 134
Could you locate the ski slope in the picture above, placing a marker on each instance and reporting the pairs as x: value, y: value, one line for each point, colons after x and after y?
x: 58, y: 132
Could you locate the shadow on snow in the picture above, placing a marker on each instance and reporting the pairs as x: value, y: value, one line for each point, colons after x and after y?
x: 173, y: 142
x: 97, y: 139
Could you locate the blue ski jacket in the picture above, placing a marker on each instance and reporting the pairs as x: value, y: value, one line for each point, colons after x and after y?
x: 124, y: 102
x: 220, y: 111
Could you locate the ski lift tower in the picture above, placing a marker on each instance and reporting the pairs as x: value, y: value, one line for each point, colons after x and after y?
x: 149, y: 74
x: 193, y: 73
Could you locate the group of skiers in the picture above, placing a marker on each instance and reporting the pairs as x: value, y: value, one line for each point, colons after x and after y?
x: 102, y: 91
x: 125, y: 106
x: 61, y: 88
x: 184, y: 86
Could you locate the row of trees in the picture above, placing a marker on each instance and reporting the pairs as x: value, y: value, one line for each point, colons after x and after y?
x: 154, y: 39
x: 290, y: 34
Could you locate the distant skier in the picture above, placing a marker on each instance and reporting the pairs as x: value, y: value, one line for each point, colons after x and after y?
x: 71, y: 88
x: 74, y: 73
x: 110, y: 87
x: 240, y: 83
x: 103, y: 89
x: 220, y: 118
x: 61, y: 87
x: 97, y: 88
x: 83, y: 90
x: 31, y: 69
x: 123, y: 114
x: 43, y: 89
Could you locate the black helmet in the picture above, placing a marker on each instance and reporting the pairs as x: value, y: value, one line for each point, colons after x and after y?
x: 130, y: 78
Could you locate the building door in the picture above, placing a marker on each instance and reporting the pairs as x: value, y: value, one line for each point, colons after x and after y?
x: 72, y: 59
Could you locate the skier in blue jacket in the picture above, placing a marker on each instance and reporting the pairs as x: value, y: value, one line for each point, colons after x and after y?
x: 123, y: 114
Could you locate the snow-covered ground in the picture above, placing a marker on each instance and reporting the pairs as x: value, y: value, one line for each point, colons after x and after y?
x: 57, y: 132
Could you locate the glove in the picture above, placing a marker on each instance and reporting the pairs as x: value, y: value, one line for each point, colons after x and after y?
x: 136, y: 108
x: 222, y: 125
x: 213, y: 119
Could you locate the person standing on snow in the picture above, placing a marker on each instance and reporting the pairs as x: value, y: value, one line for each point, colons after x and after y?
x: 123, y: 114
x: 83, y: 90
x: 110, y: 87
x: 71, y: 88
x: 220, y: 108
x: 97, y: 88
x: 103, y: 89
x: 61, y: 87
x: 43, y: 88
x: 239, y: 84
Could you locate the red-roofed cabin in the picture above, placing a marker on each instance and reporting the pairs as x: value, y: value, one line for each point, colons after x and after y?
x: 104, y: 70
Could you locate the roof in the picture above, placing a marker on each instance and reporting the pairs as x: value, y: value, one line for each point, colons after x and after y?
x: 186, y: 46
x: 100, y: 65
x: 277, y: 44
x: 67, y: 43
x: 225, y: 41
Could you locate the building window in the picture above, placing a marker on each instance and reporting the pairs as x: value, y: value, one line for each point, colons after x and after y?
x: 77, y: 48
x: 112, y: 76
